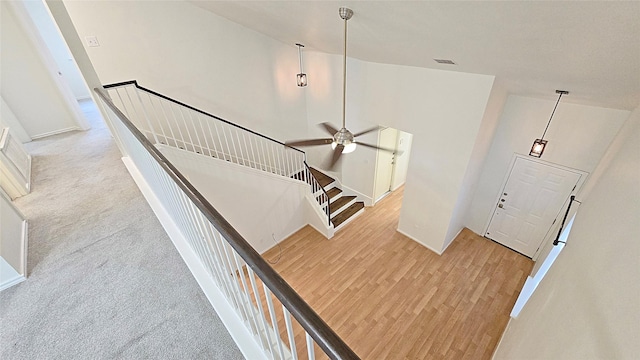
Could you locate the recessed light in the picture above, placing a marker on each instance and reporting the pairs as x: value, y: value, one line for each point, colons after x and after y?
x: 444, y: 61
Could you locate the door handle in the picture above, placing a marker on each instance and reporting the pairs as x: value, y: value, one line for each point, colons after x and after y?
x: 500, y: 206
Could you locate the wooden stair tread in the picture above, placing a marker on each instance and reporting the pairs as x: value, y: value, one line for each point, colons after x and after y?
x: 333, y: 192
x: 336, y: 205
x: 323, y: 179
x: 347, y: 213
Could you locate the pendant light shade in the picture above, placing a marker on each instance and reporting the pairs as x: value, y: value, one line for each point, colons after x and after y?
x: 539, y: 144
x: 301, y: 77
x: 538, y: 147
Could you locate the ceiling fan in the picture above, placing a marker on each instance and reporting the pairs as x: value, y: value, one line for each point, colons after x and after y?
x: 343, y: 140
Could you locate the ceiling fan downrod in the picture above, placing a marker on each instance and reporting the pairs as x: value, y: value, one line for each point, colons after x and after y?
x: 345, y: 14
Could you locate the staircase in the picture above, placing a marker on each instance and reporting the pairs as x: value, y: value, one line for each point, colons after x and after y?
x: 169, y: 122
x: 343, y: 208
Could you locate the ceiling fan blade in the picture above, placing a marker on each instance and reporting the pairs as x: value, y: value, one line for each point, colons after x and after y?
x: 367, y: 131
x: 329, y: 128
x: 309, y: 142
x: 335, y: 157
x: 378, y: 147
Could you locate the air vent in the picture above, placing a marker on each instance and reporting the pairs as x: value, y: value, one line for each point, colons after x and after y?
x: 444, y: 61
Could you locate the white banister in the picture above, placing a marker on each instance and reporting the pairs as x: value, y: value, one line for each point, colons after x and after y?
x: 167, y: 121
x: 225, y: 256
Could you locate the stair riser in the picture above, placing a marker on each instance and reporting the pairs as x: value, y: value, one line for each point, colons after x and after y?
x: 345, y: 206
x: 327, y: 188
x: 350, y: 219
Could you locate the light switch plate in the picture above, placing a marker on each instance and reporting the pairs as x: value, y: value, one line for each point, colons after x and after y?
x: 92, y: 41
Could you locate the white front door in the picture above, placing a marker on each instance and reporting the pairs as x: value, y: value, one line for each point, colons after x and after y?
x: 384, y: 165
x: 530, y: 201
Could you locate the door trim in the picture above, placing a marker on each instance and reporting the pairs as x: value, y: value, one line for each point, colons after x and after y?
x: 377, y: 164
x: 70, y: 101
x: 583, y: 177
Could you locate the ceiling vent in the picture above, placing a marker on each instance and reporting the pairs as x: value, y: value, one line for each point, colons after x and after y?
x: 444, y: 61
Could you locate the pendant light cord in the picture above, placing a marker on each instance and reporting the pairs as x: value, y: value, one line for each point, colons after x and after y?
x: 300, y: 46
x: 344, y: 77
x: 553, y: 112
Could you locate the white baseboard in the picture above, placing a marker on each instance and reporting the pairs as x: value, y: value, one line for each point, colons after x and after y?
x: 397, y: 186
x: 316, y: 218
x: 9, y: 283
x: 13, y: 278
x: 55, y: 132
x: 240, y: 334
x: 493, y: 356
x: 419, y: 242
x: 368, y: 201
x: 383, y: 196
x: 284, y: 237
x: 452, y: 240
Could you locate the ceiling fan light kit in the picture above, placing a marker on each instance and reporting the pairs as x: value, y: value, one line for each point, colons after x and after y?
x: 345, y: 138
x: 539, y: 144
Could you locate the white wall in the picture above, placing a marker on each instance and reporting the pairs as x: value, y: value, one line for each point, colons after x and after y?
x: 587, y: 307
x: 578, y: 138
x: 204, y: 60
x: 74, y: 43
x: 324, y: 102
x: 258, y: 205
x: 26, y: 81
x: 58, y: 48
x: 442, y: 109
x: 8, y: 119
x: 490, y: 120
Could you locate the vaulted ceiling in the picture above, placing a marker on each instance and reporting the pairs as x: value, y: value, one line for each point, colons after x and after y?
x: 591, y: 49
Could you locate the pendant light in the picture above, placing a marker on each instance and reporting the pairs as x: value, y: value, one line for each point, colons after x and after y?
x: 301, y: 77
x: 539, y: 144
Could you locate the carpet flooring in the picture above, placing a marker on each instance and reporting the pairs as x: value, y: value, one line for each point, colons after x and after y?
x: 104, y: 280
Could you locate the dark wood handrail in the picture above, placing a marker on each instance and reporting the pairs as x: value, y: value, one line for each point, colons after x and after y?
x: 557, y: 240
x: 135, y: 83
x: 323, y: 190
x: 322, y: 333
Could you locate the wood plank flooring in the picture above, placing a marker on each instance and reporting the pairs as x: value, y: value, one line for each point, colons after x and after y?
x: 389, y: 297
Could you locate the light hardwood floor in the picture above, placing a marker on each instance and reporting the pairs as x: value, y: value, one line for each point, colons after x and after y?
x: 389, y: 297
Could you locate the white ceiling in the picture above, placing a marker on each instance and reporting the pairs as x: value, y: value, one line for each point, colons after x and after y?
x: 591, y: 49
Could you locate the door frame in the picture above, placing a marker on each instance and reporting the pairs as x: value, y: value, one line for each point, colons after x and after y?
x: 583, y: 177
x: 23, y: 17
x: 377, y: 164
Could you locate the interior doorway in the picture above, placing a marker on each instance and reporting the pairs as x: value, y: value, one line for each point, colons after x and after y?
x: 530, y: 202
x: 37, y: 19
x: 391, y: 167
x: 60, y: 53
